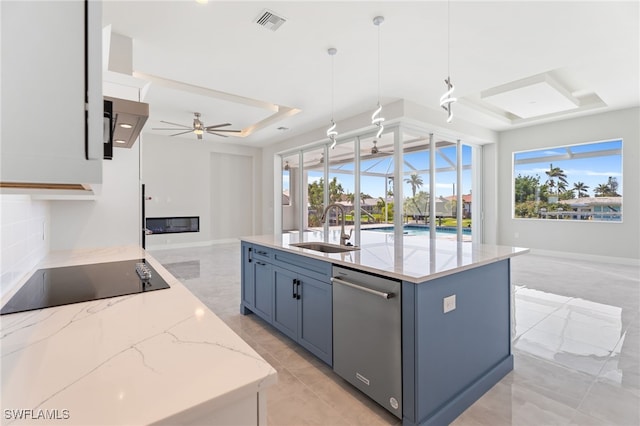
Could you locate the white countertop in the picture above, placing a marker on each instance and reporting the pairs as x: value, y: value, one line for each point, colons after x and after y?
x: 411, y: 258
x: 133, y: 359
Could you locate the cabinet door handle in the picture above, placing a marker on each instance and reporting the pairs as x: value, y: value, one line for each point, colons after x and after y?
x: 250, y: 251
x: 298, y: 289
x: 261, y: 263
x: 262, y: 253
x: 293, y: 287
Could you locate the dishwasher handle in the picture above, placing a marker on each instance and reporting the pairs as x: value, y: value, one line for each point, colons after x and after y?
x: 365, y: 289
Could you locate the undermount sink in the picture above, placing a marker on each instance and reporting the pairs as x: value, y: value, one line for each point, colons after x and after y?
x: 325, y: 247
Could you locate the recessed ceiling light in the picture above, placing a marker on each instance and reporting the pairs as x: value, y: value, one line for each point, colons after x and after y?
x: 120, y: 141
x: 126, y: 125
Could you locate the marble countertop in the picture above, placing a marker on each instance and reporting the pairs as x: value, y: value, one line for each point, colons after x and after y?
x: 133, y: 359
x: 412, y: 258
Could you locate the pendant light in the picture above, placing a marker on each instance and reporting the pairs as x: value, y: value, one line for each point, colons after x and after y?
x: 331, y: 131
x: 446, y: 100
x: 376, y: 119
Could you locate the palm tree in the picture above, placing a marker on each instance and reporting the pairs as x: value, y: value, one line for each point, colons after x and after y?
x: 350, y: 197
x: 556, y: 173
x: 581, y: 189
x: 601, y: 190
x: 415, y: 181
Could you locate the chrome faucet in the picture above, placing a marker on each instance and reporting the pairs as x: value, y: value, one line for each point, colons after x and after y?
x: 343, y: 236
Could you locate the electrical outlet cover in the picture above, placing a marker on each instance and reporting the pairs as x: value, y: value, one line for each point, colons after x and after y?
x: 449, y: 303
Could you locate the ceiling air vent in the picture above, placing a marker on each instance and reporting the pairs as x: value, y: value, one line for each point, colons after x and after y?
x: 270, y: 20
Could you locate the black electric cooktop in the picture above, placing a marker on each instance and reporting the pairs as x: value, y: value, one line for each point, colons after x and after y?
x: 81, y: 283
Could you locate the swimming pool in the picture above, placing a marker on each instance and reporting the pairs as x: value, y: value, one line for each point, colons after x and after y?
x: 420, y: 230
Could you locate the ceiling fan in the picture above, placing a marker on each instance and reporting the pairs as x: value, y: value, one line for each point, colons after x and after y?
x: 198, y: 128
x: 375, y: 151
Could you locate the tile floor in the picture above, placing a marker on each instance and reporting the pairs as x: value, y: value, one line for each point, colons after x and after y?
x: 576, y: 346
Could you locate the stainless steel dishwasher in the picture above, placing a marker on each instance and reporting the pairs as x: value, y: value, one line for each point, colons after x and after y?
x: 367, y: 335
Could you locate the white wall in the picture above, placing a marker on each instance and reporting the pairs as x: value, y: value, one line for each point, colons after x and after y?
x: 217, y: 181
x: 233, y: 210
x: 24, y: 231
x: 583, y: 237
x: 113, y: 219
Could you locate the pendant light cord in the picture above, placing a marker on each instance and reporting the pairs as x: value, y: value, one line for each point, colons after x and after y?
x: 446, y: 100
x: 379, y: 64
x: 375, y: 118
x: 332, y: 85
x: 448, y: 38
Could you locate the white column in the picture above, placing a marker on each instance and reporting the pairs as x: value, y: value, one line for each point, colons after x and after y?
x: 432, y: 187
x: 459, y: 184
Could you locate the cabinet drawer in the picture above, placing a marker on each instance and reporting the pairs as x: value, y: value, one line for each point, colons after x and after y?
x: 262, y: 253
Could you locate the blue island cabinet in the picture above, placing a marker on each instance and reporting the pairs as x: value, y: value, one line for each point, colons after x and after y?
x: 292, y: 293
x: 257, y: 282
x: 456, y: 328
x: 451, y: 359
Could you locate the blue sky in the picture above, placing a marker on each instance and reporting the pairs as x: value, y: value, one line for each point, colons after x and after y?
x: 592, y: 170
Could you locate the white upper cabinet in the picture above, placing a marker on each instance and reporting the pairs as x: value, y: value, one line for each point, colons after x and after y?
x: 51, y: 90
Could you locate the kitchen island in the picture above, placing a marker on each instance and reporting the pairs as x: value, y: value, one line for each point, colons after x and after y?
x: 159, y: 357
x: 455, y: 328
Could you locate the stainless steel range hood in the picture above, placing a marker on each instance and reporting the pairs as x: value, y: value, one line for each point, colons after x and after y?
x: 129, y: 119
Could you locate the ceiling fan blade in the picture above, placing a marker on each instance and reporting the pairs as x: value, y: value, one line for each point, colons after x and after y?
x: 218, y: 125
x: 217, y: 134
x: 224, y: 130
x: 165, y: 128
x: 182, y: 133
x: 176, y: 124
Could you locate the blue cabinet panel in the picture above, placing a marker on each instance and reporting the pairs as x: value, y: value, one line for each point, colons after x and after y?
x: 285, y: 309
x: 247, y: 288
x: 302, y: 264
x: 292, y: 293
x: 315, y: 319
x: 263, y: 277
x: 451, y: 358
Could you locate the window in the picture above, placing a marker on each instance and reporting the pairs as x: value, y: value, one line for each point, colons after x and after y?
x: 380, y: 189
x: 576, y: 182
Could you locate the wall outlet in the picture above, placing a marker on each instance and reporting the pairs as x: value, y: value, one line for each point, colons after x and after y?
x: 449, y: 303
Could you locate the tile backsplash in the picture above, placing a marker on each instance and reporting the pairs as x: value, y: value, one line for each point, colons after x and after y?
x: 24, y: 237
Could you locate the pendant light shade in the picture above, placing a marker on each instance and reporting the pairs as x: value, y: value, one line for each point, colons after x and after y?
x: 446, y: 100
x: 331, y: 131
